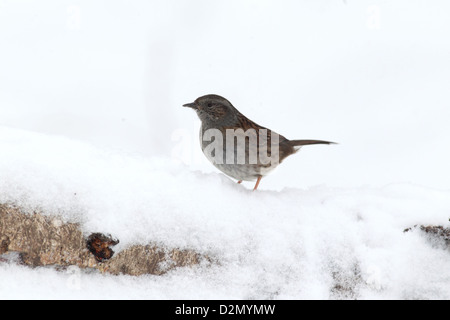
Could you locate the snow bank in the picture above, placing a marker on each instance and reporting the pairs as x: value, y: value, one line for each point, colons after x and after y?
x: 297, y: 243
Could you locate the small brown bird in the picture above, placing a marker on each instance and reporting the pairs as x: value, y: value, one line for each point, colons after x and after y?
x: 238, y: 146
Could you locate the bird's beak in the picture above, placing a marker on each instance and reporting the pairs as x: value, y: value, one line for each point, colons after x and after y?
x: 192, y: 105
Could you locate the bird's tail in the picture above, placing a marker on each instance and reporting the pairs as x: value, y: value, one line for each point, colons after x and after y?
x: 299, y: 143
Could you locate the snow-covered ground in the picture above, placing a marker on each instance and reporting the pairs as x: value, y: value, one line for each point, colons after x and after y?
x: 294, y: 243
x: 92, y: 128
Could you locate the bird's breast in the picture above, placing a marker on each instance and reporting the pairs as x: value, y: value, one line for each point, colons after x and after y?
x: 238, y: 154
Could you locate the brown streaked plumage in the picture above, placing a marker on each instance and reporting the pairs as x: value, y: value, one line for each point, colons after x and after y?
x: 216, y: 112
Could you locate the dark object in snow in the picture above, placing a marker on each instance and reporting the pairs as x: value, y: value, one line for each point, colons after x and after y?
x: 99, y: 245
x: 4, y: 244
x: 437, y: 232
x: 40, y: 240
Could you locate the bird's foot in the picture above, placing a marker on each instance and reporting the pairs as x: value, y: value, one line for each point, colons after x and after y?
x: 257, y: 183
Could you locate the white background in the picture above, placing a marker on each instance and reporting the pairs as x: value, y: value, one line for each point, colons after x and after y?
x: 371, y: 75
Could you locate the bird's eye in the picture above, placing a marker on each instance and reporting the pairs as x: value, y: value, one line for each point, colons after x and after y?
x: 209, y: 105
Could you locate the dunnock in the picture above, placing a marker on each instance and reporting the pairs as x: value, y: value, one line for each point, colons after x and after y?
x: 258, y: 150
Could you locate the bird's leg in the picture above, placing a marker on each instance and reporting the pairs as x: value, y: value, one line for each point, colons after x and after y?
x: 240, y: 181
x: 257, y: 183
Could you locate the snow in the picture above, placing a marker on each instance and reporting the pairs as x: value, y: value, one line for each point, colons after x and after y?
x: 290, y: 244
x: 92, y: 128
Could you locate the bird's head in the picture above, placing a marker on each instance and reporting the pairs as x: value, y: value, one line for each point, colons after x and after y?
x: 214, y: 110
